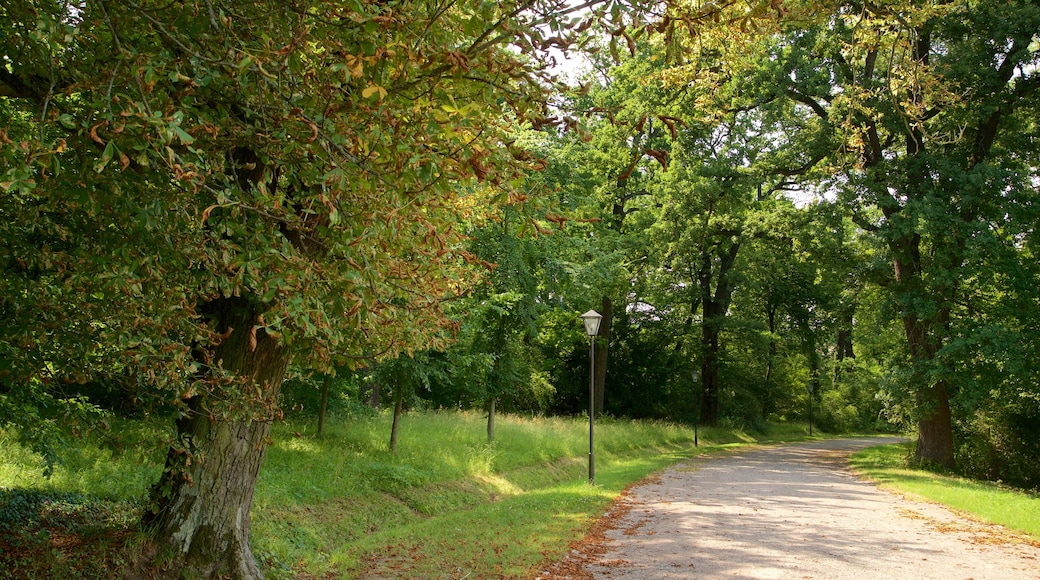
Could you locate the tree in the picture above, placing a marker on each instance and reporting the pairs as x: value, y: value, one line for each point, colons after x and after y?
x: 928, y: 100
x: 208, y: 191
x: 603, y: 173
x: 505, y: 311
x: 725, y: 183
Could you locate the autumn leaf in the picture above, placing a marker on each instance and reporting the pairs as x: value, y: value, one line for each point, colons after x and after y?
x: 372, y: 90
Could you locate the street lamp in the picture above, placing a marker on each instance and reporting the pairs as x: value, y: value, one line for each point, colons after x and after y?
x: 592, y: 320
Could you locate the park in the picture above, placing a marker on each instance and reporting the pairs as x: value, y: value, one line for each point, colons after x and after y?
x: 294, y: 288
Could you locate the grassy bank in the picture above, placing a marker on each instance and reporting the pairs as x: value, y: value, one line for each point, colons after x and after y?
x: 449, y: 503
x: 988, y: 502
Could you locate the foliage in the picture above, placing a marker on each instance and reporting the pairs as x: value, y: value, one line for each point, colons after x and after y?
x: 280, y: 194
x: 912, y: 116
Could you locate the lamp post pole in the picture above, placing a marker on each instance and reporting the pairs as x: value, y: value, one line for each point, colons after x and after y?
x: 592, y: 320
x: 697, y: 409
x: 592, y: 409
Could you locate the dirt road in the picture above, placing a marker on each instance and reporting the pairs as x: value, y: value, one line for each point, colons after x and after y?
x: 794, y: 512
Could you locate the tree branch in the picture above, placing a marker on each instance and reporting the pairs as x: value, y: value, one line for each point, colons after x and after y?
x: 809, y: 101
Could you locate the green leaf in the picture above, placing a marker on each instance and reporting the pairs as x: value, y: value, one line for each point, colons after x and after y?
x: 184, y: 137
x: 106, y: 156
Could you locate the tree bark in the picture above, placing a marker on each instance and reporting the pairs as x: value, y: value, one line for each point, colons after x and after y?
x: 935, y: 425
x: 709, y: 375
x: 200, y: 506
x: 935, y: 428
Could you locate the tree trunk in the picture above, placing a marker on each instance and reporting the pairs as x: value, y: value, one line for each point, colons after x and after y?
x: 934, y: 429
x: 771, y: 356
x: 324, y: 405
x: 935, y: 425
x: 714, y: 307
x: 491, y: 419
x: 200, y: 506
x: 843, y: 343
x: 709, y: 374
x: 602, y: 346
x: 398, y: 407
x: 814, y: 378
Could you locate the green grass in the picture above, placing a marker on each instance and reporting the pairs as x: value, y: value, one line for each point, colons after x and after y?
x: 988, y: 502
x: 447, y: 504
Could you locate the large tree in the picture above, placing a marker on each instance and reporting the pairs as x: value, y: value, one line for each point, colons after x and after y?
x: 929, y: 99
x: 206, y: 191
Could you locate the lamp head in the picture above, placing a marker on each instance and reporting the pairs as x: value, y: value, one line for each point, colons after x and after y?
x: 591, y: 320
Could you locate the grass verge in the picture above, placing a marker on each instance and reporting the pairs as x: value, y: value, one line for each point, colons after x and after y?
x: 987, y: 502
x: 450, y: 504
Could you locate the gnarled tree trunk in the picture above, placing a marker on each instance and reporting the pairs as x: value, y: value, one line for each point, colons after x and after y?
x: 200, y: 506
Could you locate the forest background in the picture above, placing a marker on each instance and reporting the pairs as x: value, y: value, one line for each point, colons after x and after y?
x: 772, y: 204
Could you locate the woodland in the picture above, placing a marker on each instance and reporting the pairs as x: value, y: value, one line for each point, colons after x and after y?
x: 218, y: 213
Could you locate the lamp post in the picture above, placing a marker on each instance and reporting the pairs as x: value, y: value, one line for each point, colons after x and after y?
x: 592, y: 320
x: 697, y: 410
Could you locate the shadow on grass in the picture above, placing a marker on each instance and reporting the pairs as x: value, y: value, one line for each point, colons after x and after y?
x: 507, y: 537
x: 42, y: 533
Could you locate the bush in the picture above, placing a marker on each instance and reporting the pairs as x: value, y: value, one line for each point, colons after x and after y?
x: 301, y: 396
x: 1000, y: 444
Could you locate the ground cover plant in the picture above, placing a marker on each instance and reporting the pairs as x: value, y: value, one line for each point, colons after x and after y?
x: 990, y: 502
x: 449, y: 502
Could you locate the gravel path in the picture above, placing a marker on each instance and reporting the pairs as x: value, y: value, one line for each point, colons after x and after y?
x: 796, y: 512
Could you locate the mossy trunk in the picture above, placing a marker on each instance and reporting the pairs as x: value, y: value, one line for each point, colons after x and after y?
x: 200, y: 506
